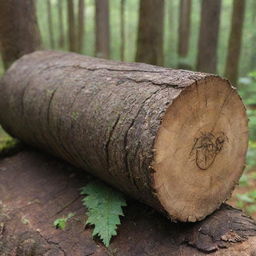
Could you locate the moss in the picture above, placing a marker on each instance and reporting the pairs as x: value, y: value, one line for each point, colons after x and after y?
x: 9, y: 146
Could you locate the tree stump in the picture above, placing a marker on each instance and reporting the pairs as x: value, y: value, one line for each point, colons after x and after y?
x: 174, y: 139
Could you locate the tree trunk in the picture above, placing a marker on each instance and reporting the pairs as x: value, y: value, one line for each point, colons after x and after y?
x: 61, y: 26
x: 253, y: 40
x: 173, y: 139
x: 19, y: 32
x: 208, y: 38
x: 235, y: 41
x: 184, y: 27
x: 122, y: 29
x: 80, y: 34
x: 50, y: 25
x: 37, y: 189
x: 102, y: 49
x: 71, y: 26
x: 150, y: 32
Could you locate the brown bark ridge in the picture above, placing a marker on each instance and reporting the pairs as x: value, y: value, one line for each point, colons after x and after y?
x: 61, y: 40
x: 37, y: 189
x: 150, y: 32
x: 235, y: 41
x: 50, y: 25
x: 184, y: 27
x: 71, y: 26
x: 208, y: 37
x: 80, y: 32
x: 174, y: 139
x: 102, y: 48
x: 19, y: 32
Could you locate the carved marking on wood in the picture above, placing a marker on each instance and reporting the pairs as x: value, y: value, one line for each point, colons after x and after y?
x: 206, y: 148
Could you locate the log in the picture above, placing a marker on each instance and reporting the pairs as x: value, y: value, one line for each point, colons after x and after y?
x: 174, y: 139
x: 36, y: 189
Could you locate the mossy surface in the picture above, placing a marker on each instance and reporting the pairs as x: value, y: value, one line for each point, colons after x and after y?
x: 8, y: 145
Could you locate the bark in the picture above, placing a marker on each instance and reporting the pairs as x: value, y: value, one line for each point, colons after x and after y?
x: 50, y: 25
x: 80, y: 35
x: 208, y: 37
x: 27, y: 214
x: 71, y: 26
x: 150, y: 32
x: 102, y: 49
x: 19, y: 32
x: 61, y: 26
x: 144, y: 129
x: 235, y: 41
x: 122, y: 29
x: 184, y: 27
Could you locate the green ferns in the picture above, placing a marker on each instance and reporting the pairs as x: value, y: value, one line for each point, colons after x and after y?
x: 104, y: 206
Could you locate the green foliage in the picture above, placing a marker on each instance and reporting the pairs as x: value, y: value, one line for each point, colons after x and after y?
x: 104, y: 206
x: 247, y: 201
x: 62, y: 222
x: 8, y: 145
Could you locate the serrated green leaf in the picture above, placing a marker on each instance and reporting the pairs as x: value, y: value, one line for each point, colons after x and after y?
x: 104, y: 206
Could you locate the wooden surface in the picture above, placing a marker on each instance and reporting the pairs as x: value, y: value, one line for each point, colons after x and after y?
x: 174, y: 139
x: 36, y: 189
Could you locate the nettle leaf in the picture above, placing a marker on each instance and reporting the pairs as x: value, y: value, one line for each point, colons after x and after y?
x: 104, y: 206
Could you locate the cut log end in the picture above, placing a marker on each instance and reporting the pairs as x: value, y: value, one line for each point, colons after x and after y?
x: 200, y: 144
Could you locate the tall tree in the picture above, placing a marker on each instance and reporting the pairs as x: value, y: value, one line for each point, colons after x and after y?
x: 80, y: 32
x: 208, y: 37
x: 150, y: 32
x: 102, y: 29
x: 71, y: 26
x: 50, y: 25
x: 122, y: 29
x: 235, y: 40
x: 184, y: 27
x: 61, y: 40
x: 19, y: 33
x: 253, y: 40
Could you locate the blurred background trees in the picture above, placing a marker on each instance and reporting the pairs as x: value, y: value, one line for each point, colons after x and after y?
x: 200, y: 35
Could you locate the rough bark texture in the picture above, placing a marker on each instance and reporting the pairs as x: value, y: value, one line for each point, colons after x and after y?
x: 150, y: 32
x: 235, y: 41
x: 102, y: 49
x: 71, y: 26
x: 184, y: 27
x: 50, y: 24
x: 61, y: 40
x: 208, y: 37
x: 19, y: 32
x: 122, y: 29
x: 80, y: 33
x: 105, y: 117
x: 37, y: 189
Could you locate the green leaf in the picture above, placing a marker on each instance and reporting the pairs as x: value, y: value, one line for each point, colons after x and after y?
x: 104, y: 206
x: 62, y: 222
